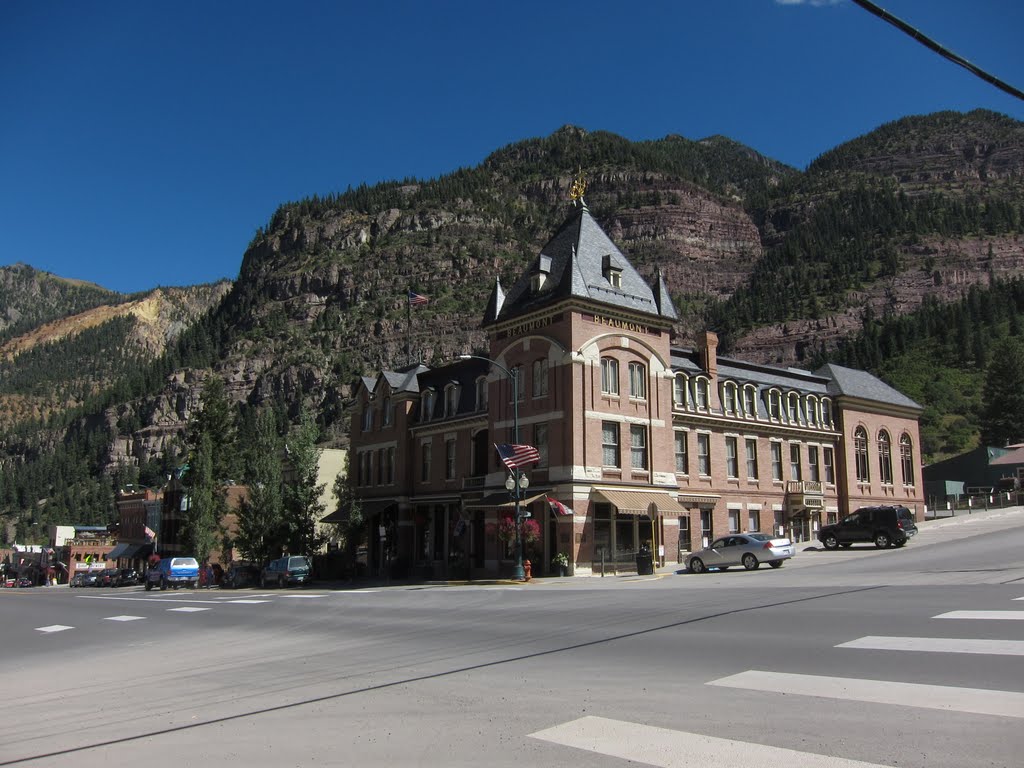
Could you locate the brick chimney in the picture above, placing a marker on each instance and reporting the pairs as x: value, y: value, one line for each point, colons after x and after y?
x: 709, y: 354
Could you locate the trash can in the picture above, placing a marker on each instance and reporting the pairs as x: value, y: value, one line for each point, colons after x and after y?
x: 644, y: 563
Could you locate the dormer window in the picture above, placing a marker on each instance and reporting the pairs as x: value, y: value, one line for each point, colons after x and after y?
x: 481, y: 393
x: 451, y: 399
x: 427, y: 404
x: 539, y: 278
x: 611, y: 272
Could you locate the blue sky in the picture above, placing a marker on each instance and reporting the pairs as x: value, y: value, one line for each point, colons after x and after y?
x: 145, y: 142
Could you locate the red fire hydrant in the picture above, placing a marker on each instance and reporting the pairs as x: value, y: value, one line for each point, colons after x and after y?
x: 527, y: 569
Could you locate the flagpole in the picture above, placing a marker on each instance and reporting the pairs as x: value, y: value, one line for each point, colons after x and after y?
x: 408, y: 328
x: 519, y: 574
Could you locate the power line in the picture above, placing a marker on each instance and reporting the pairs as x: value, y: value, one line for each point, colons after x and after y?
x: 939, y: 49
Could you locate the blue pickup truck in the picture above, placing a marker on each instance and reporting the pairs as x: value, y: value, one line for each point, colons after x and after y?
x: 173, y: 572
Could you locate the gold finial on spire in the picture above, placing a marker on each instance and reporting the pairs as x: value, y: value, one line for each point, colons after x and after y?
x: 578, y: 187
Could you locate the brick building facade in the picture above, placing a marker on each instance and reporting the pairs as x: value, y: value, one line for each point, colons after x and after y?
x: 645, y: 443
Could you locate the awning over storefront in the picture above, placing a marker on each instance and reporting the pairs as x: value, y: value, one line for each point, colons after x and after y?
x: 121, y: 550
x: 369, y: 508
x: 697, y: 499
x: 502, y: 500
x: 637, y: 502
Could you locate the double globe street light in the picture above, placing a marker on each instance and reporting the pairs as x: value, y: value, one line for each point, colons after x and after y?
x: 517, y: 482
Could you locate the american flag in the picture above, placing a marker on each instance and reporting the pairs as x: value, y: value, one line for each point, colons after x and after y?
x: 417, y: 299
x: 517, y: 455
x: 150, y: 533
x: 558, y: 507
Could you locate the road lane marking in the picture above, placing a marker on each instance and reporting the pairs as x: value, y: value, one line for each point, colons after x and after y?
x: 979, y: 701
x: 665, y: 748
x: 123, y: 618
x: 188, y: 609
x: 938, y: 645
x: 53, y: 628
x: 991, y: 615
x: 243, y: 601
x: 304, y: 597
x: 167, y: 599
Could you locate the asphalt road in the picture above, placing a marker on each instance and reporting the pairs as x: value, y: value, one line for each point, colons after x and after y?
x: 909, y: 658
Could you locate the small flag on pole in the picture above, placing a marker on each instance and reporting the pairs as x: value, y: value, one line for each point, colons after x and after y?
x: 558, y: 507
x: 516, y: 455
x: 417, y: 299
x: 150, y: 533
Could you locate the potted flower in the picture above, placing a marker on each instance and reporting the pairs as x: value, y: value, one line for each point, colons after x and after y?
x: 560, y: 563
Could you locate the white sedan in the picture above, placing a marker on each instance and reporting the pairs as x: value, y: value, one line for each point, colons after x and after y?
x: 746, y: 549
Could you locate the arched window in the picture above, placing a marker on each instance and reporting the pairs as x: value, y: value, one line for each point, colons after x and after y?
x: 680, y: 391
x: 367, y: 418
x: 812, y: 411
x: 427, y: 405
x: 826, y: 413
x: 885, y: 457
x: 702, y: 394
x: 540, y: 377
x: 729, y: 397
x: 637, y: 381
x: 793, y: 410
x: 775, y: 405
x: 609, y: 376
x: 860, y: 450
x: 386, y: 412
x: 481, y: 393
x: 451, y: 400
x: 907, y: 459
x: 750, y: 401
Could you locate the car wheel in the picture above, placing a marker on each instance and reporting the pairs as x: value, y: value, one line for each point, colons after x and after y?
x: 697, y: 565
x: 882, y: 540
x: 775, y: 563
x: 163, y: 583
x: 830, y: 541
x: 750, y: 562
x: 280, y: 582
x: 149, y: 586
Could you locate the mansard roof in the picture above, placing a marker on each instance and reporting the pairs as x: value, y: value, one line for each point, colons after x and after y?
x: 575, y: 263
x: 850, y: 382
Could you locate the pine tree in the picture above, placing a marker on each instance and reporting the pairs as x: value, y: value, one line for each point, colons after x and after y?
x: 260, y: 517
x: 1002, y: 418
x: 303, y: 508
x: 206, y: 502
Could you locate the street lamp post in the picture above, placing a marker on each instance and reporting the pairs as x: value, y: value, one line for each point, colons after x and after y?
x: 517, y: 481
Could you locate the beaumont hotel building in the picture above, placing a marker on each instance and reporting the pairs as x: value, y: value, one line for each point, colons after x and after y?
x: 643, y: 442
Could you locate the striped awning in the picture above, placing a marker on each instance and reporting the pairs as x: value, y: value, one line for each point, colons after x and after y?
x: 502, y: 500
x: 636, y: 502
x: 698, y: 499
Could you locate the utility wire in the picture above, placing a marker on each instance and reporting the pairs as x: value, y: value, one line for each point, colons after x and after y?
x: 939, y: 49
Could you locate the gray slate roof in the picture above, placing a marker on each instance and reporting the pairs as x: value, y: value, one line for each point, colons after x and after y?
x: 853, y: 383
x: 573, y: 260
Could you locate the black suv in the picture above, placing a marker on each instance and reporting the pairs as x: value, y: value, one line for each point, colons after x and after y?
x: 885, y: 526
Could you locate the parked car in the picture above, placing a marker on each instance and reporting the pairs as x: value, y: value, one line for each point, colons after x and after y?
x: 108, y: 577
x: 240, y: 575
x: 746, y: 549
x: 285, y: 571
x: 173, y: 572
x: 885, y: 526
x: 85, y: 579
x: 126, y: 577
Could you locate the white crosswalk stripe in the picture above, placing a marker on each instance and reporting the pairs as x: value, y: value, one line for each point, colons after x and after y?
x: 979, y: 701
x: 938, y: 645
x: 983, y: 615
x: 667, y: 748
x: 124, y: 618
x: 188, y: 609
x: 54, y: 628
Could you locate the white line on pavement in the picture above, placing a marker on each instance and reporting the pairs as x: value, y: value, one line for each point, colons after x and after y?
x: 53, y: 628
x: 667, y: 748
x: 304, y: 597
x: 991, y: 615
x: 979, y: 701
x: 188, y: 609
x: 938, y: 645
x: 124, y: 618
x: 247, y: 602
